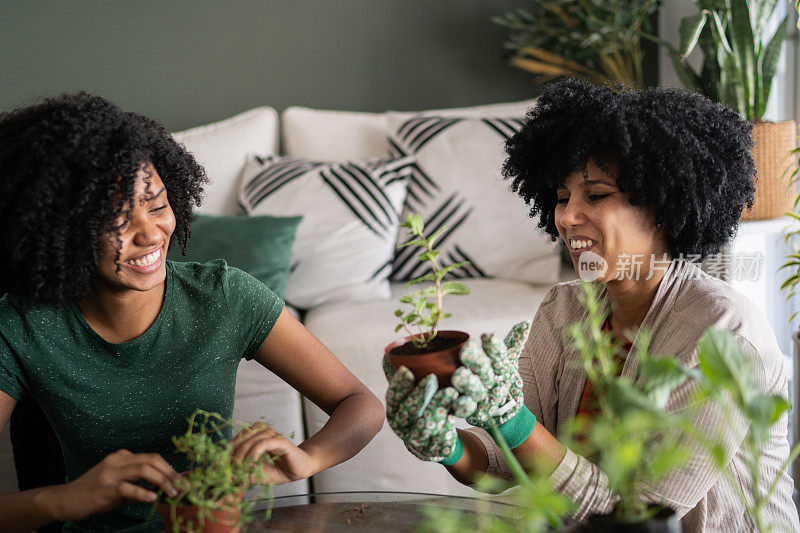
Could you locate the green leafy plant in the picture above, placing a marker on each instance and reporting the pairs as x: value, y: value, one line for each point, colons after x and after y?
x: 592, y: 39
x: 631, y: 414
x: 739, y: 59
x: 215, y: 481
x: 727, y: 378
x: 426, y: 303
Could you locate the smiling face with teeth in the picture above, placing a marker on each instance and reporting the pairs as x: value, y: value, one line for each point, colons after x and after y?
x: 592, y: 214
x: 137, y: 260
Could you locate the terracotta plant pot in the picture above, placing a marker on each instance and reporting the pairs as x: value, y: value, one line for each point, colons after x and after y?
x: 224, y: 520
x: 442, y: 363
x: 772, y: 143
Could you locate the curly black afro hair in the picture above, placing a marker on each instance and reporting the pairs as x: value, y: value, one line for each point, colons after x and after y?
x: 67, y: 172
x: 678, y: 153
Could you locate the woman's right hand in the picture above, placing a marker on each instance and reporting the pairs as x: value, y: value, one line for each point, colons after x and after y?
x: 420, y: 415
x: 109, y: 484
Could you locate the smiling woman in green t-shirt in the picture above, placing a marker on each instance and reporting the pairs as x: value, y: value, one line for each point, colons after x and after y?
x: 117, y: 345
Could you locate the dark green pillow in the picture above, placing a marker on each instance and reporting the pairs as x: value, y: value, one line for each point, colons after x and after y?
x: 261, y: 245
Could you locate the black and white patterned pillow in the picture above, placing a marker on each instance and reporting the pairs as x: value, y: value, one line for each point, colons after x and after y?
x: 351, y: 210
x: 457, y: 182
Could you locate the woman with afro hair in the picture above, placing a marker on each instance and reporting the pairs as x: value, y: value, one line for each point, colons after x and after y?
x: 117, y: 345
x: 638, y: 184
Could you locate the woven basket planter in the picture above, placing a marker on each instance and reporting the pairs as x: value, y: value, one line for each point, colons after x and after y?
x: 772, y: 143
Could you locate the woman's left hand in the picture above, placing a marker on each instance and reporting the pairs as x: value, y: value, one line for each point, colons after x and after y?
x: 489, y: 382
x: 290, y: 463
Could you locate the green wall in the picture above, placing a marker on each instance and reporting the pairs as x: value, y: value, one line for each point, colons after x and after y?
x: 188, y: 62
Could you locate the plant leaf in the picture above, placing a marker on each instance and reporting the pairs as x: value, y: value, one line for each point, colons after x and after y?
x: 452, y: 266
x: 453, y: 287
x: 744, y: 47
x: 769, y: 66
x: 689, y: 31
x: 721, y: 36
x: 761, y: 12
x: 414, y: 223
x: 554, y: 59
x: 539, y: 67
x: 428, y: 255
x: 436, y: 235
x: 415, y: 242
x: 421, y: 279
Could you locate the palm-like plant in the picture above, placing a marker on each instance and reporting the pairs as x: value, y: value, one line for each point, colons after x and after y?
x: 598, y: 40
x: 739, y: 60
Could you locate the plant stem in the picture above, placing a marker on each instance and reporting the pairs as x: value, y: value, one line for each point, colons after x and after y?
x: 513, y: 463
x: 435, y: 269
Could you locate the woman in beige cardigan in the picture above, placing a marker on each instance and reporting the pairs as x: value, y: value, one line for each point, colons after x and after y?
x: 642, y: 184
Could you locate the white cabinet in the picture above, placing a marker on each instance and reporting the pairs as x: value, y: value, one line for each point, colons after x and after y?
x: 764, y: 239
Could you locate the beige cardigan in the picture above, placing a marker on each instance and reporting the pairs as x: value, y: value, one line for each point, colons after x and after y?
x: 687, y: 302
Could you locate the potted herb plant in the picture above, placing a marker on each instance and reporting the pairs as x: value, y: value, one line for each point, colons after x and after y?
x: 739, y: 63
x: 597, y: 41
x: 427, y: 349
x: 210, y: 495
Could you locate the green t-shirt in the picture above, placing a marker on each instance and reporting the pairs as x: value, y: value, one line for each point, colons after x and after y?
x: 100, y: 397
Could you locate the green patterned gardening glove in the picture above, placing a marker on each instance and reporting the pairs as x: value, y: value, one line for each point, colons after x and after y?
x: 421, y: 416
x: 490, y: 386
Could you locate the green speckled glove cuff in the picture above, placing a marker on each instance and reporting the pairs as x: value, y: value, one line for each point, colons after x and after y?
x: 516, y: 430
x: 454, y: 457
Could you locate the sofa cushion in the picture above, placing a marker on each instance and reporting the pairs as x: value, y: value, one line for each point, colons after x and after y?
x: 222, y: 148
x: 261, y: 246
x: 330, y: 135
x: 457, y: 183
x: 261, y: 395
x: 358, y: 333
x: 350, y: 211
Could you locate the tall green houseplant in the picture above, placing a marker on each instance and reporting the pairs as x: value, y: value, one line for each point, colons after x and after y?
x: 598, y: 40
x: 739, y: 59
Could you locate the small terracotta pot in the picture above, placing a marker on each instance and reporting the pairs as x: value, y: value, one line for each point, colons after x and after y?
x: 223, y: 520
x: 442, y: 363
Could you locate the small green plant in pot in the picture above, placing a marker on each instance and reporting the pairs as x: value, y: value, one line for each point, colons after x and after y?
x: 427, y: 349
x: 211, y: 493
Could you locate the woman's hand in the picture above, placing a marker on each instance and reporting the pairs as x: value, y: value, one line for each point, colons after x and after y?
x: 109, y: 484
x: 290, y: 462
x: 420, y: 415
x: 490, y: 386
